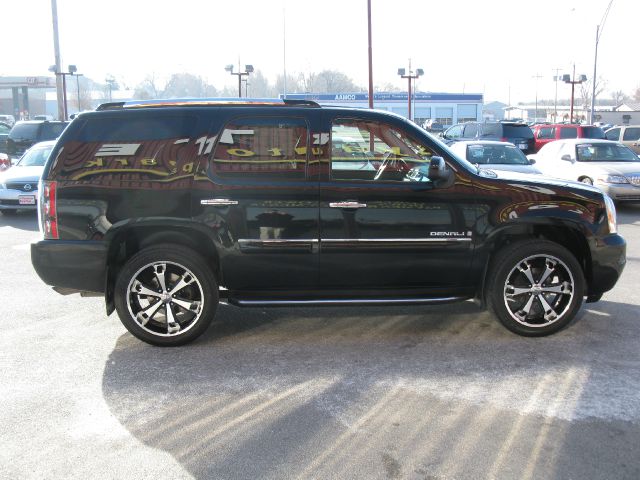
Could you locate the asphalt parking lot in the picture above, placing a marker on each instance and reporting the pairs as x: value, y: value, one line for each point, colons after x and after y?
x: 418, y: 393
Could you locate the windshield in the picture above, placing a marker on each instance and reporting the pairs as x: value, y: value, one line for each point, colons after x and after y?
x: 496, y: 154
x: 605, y: 153
x: 35, y: 157
x: 24, y: 131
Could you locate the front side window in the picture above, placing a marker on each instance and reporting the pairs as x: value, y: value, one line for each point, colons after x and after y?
x: 454, y: 132
x: 470, y: 130
x: 374, y: 151
x: 613, y: 134
x: 263, y: 148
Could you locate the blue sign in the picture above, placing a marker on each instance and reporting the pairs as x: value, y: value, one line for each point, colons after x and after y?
x: 382, y: 96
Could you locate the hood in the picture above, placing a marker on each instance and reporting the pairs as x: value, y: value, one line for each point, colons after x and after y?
x: 543, y: 181
x: 21, y: 174
x: 530, y: 169
x: 612, y: 168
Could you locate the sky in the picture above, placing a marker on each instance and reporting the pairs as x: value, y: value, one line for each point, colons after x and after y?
x: 497, y: 48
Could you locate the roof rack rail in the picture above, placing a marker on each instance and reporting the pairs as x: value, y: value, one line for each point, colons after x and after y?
x: 110, y: 106
x: 307, y: 103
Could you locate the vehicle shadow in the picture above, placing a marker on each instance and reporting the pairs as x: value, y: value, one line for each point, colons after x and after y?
x: 22, y: 220
x: 628, y: 213
x: 438, y: 392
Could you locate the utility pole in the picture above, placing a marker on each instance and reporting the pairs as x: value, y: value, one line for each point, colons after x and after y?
x: 56, y: 50
x: 556, y: 77
x: 599, y: 29
x: 370, y: 56
x: 536, y: 76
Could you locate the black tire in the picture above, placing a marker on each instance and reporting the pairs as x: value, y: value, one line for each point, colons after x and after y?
x: 519, y: 303
x: 9, y: 212
x: 169, y: 315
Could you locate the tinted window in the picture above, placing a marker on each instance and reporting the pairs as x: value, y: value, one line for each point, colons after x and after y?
x: 599, y: 152
x: 568, y: 132
x: 51, y: 131
x: 470, y: 130
x: 546, y: 133
x: 454, y: 132
x: 631, y: 134
x: 24, y: 131
x: 136, y: 129
x: 593, y: 132
x: 517, y: 131
x: 264, y: 148
x: 613, y: 134
x: 492, y: 130
x: 374, y: 151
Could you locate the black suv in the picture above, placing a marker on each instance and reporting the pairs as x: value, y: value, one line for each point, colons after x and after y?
x: 24, y: 135
x: 168, y: 208
x: 514, y: 132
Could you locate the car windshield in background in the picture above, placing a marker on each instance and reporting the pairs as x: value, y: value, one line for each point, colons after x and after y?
x: 24, y: 131
x: 496, y: 154
x: 593, y: 132
x: 605, y: 153
x: 36, y: 157
x: 517, y: 131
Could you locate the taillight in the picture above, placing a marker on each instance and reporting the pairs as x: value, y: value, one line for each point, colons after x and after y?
x: 504, y: 139
x: 48, y: 211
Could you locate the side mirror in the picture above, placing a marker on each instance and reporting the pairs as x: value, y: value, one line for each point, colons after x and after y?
x: 532, y: 161
x: 567, y: 158
x: 439, y: 173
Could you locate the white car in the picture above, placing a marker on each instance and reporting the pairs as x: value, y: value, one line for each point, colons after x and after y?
x: 19, y: 184
x: 494, y: 155
x: 608, y: 165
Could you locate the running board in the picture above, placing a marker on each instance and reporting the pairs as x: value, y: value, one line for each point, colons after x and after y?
x: 240, y: 302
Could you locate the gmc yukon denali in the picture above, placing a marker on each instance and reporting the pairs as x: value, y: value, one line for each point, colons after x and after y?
x: 167, y: 208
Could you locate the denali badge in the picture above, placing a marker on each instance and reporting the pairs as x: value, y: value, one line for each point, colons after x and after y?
x: 450, y: 234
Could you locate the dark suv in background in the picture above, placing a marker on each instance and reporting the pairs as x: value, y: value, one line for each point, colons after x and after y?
x: 514, y: 132
x: 168, y: 208
x: 23, y: 135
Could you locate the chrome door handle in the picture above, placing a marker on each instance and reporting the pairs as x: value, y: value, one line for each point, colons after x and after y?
x: 218, y: 202
x: 347, y: 205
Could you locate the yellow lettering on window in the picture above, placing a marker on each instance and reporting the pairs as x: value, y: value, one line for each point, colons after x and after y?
x: 148, y: 162
x: 187, y: 167
x: 122, y: 161
x: 240, y: 152
x: 94, y: 163
x: 275, y: 152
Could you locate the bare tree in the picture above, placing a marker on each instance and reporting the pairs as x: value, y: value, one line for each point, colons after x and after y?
x: 188, y: 85
x: 636, y: 94
x: 330, y: 81
x: 587, y: 87
x: 618, y: 97
x: 147, y: 88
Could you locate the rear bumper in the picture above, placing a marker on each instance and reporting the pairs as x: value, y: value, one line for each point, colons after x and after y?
x: 609, y: 257
x: 68, y: 264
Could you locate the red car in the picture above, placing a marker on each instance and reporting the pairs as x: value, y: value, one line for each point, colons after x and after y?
x: 548, y: 133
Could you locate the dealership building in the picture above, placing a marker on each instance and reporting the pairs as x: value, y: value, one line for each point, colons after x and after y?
x: 446, y: 108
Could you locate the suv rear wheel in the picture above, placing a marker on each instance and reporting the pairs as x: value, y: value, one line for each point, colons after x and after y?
x: 166, y: 295
x: 537, y: 287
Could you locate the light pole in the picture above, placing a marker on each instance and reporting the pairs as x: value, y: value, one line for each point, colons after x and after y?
x: 536, y: 76
x: 556, y: 77
x: 599, y: 29
x: 568, y: 79
x: 73, y: 72
x: 54, y: 69
x: 110, y: 81
x: 410, y: 76
x: 247, y: 70
x: 370, y: 49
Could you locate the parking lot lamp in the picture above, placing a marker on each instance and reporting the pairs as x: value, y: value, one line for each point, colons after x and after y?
x: 568, y: 79
x: 247, y: 70
x: 599, y: 29
x: 54, y: 69
x: 410, y: 76
x: 73, y: 72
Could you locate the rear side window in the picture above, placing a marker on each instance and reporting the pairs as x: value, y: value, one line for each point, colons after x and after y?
x: 136, y: 129
x: 631, y: 134
x: 568, y: 132
x: 270, y: 148
x: 470, y: 130
x: 492, y: 130
x: 593, y: 132
x: 51, y: 131
x: 517, y: 131
x: 24, y: 131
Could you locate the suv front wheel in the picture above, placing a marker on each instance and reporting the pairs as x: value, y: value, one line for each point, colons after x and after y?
x: 166, y: 295
x: 536, y: 287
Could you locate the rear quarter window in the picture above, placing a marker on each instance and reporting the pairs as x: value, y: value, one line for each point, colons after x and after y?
x: 593, y: 132
x: 568, y: 132
x: 517, y: 131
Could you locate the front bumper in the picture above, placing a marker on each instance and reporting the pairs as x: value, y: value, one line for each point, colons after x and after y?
x: 69, y: 264
x: 609, y: 257
x: 621, y: 192
x: 10, y: 199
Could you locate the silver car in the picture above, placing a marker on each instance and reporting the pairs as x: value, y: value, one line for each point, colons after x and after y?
x: 494, y: 155
x: 610, y: 166
x: 19, y: 184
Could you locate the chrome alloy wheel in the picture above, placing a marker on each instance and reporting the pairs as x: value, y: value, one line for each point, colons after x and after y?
x: 539, y: 291
x: 165, y: 299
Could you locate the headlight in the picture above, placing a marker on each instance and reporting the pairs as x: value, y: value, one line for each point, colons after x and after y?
x: 611, y: 214
x: 613, y: 179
